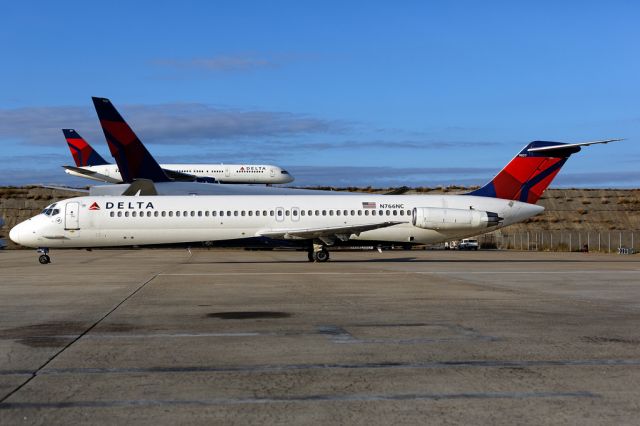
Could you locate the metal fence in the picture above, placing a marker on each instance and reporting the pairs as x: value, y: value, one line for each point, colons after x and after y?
x: 596, y: 241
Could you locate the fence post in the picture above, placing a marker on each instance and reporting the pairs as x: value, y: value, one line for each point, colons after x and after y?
x: 620, y: 240
x: 609, y: 251
x: 551, y: 244
x: 570, y: 242
x: 598, y: 242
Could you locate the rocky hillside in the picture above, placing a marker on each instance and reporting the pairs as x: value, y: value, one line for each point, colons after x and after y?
x: 576, y: 210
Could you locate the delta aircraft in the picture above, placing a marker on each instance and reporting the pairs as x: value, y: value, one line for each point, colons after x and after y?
x: 91, y: 165
x: 313, y: 222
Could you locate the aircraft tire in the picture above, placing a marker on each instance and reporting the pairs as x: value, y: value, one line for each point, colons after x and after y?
x: 44, y: 259
x: 321, y: 256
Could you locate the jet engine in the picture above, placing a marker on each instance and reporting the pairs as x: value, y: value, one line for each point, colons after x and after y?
x: 453, y: 219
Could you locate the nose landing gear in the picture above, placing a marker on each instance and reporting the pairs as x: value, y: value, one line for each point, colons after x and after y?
x: 44, y: 255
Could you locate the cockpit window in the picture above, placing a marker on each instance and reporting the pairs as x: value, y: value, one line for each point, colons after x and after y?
x: 50, y: 211
x: 284, y: 172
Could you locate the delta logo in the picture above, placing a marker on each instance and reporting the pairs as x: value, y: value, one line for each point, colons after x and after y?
x: 94, y: 206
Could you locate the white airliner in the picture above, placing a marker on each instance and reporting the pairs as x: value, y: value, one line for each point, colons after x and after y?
x: 91, y: 165
x: 315, y: 222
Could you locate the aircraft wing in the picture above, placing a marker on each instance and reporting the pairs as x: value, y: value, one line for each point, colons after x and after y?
x: 179, y: 176
x: 91, y: 174
x: 327, y: 234
x: 570, y: 145
x: 65, y: 188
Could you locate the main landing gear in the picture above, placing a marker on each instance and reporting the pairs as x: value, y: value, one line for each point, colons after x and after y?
x: 44, y: 255
x: 318, y: 253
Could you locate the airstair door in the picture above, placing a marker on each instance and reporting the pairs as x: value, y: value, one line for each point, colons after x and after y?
x: 72, y: 216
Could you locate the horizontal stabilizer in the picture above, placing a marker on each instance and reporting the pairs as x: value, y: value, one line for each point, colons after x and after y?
x: 566, y: 146
x: 91, y: 174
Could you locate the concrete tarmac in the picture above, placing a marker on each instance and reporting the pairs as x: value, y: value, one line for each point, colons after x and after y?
x: 239, y: 337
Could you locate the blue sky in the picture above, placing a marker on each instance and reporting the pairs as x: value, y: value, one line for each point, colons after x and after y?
x: 340, y: 93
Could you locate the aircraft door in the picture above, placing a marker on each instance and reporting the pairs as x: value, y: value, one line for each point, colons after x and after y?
x: 72, y: 216
x: 279, y: 214
x: 226, y: 172
x: 273, y: 172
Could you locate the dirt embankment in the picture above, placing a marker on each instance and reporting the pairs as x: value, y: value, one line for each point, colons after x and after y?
x: 565, y: 209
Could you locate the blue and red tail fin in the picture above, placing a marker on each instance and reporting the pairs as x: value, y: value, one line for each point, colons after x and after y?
x: 527, y: 176
x: 134, y: 161
x: 82, y: 152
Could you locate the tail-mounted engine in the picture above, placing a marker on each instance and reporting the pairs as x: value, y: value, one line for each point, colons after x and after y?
x: 453, y: 219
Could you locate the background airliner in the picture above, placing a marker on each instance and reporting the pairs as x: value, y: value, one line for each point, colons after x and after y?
x: 315, y: 222
x: 91, y: 165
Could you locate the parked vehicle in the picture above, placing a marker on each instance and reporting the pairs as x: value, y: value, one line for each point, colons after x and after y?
x: 468, y: 244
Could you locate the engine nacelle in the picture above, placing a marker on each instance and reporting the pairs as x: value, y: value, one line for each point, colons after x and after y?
x: 453, y: 219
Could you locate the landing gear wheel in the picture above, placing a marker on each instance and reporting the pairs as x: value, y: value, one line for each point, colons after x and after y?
x: 321, y: 256
x: 44, y: 259
x: 310, y: 256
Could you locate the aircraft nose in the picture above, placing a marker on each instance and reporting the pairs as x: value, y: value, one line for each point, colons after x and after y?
x: 16, y: 233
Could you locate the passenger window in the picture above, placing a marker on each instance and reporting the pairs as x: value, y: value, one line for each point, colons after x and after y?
x: 199, y: 213
x: 317, y: 212
x: 388, y: 212
x: 163, y: 213
x: 156, y: 214
x: 235, y: 212
x: 310, y: 213
x: 149, y: 214
x: 250, y: 212
x: 286, y: 212
x: 381, y: 212
x: 228, y: 212
x: 178, y: 214
x: 185, y: 213
x: 206, y: 213
x: 112, y: 214
x: 271, y: 213
x: 301, y: 213
x: 257, y: 212
x: 408, y: 212
x: 126, y: 214
x: 264, y: 213
x: 373, y: 212
x: 242, y: 213
x: 295, y: 212
x: 346, y: 212
x: 221, y: 213
x: 395, y: 213
x: 171, y: 213
x: 353, y: 212
x: 401, y: 212
x: 279, y: 213
x: 366, y: 212
x: 337, y: 212
x: 133, y: 214
x: 359, y: 212
x: 119, y: 214
x: 213, y: 213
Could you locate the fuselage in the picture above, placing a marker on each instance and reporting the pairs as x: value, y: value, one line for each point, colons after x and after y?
x: 123, y: 221
x: 224, y: 173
